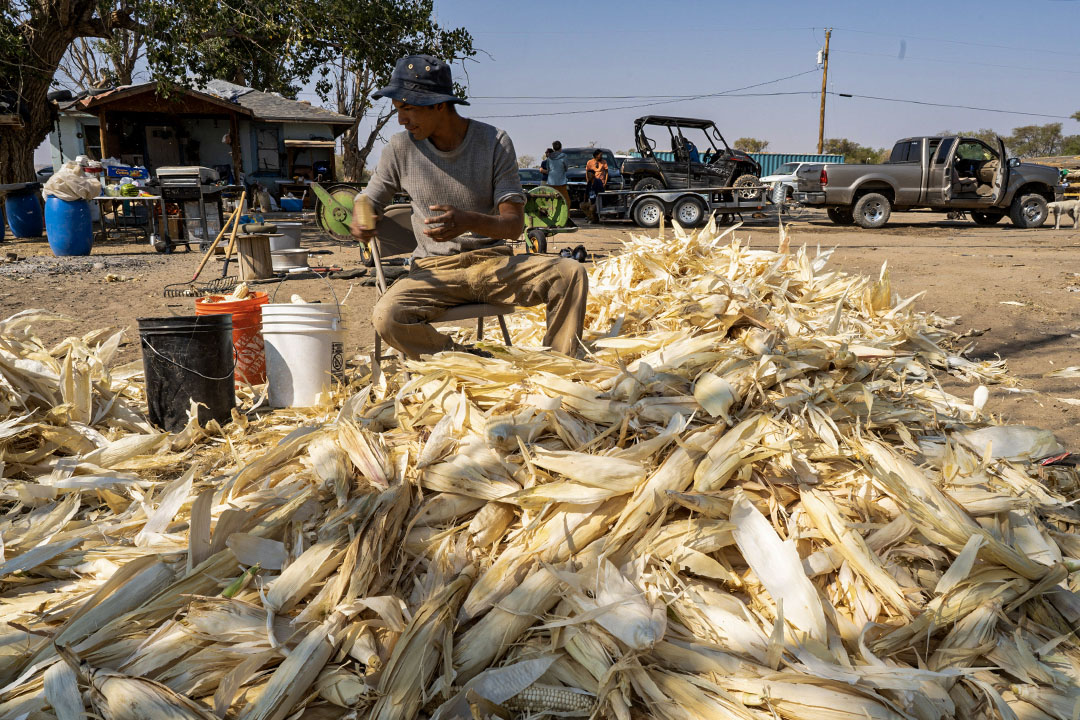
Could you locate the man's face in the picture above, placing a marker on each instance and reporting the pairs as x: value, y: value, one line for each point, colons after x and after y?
x: 421, y: 122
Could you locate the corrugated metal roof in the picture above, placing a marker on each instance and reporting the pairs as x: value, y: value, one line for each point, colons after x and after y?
x: 269, y: 106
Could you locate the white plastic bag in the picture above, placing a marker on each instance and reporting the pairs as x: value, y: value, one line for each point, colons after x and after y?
x: 71, y: 183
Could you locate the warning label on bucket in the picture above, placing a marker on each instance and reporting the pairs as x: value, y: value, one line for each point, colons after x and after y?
x: 337, y: 360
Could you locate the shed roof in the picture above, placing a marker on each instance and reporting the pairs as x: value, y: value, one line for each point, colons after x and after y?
x: 227, y: 96
x: 269, y: 106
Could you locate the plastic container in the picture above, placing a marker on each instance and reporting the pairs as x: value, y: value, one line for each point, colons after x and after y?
x: 304, y: 351
x: 23, y: 209
x: 247, y: 336
x: 69, y: 226
x: 291, y: 204
x: 188, y: 358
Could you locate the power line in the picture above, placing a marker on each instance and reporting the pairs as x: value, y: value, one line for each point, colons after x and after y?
x: 728, y: 93
x: 948, y: 105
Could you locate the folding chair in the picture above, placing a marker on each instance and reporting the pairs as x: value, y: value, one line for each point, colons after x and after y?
x: 394, y: 235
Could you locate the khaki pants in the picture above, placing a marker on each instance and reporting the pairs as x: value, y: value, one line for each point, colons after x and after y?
x: 402, y: 316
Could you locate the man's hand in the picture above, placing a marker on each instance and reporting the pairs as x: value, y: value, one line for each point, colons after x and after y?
x: 361, y: 233
x: 453, y: 222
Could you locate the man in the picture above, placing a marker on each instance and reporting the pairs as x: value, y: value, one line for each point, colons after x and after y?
x: 596, y: 177
x: 556, y: 175
x: 544, y: 166
x: 462, y: 177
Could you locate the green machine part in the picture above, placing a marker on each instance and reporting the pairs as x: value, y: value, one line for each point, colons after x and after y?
x: 545, y: 208
x: 333, y: 209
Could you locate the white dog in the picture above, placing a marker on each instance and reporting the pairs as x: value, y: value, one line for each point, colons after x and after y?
x: 1064, y: 207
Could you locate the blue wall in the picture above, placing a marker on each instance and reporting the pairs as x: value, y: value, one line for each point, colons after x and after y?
x: 769, y: 161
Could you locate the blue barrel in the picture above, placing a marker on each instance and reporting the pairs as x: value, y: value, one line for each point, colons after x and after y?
x: 68, y: 225
x: 24, y: 214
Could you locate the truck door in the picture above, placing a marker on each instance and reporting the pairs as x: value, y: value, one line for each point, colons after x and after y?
x: 1001, y: 176
x: 939, y: 176
x: 939, y: 187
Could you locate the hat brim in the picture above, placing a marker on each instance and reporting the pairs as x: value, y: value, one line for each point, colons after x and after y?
x: 420, y: 98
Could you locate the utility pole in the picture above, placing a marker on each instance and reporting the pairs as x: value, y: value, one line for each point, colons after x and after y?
x: 824, y: 80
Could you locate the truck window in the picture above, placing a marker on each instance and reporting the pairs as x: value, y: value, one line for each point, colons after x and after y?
x: 972, y: 150
x: 943, y: 151
x: 906, y: 151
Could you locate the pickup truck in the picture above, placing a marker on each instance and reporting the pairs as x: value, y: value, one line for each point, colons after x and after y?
x: 939, y: 173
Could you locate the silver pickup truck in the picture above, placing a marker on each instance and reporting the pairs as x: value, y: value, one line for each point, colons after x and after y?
x: 939, y: 173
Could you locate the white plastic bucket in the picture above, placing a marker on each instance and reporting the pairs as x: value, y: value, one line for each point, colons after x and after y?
x: 304, y: 352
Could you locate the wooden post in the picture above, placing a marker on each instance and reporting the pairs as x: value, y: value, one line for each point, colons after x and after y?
x: 824, y: 80
x: 237, y: 155
x: 103, y: 130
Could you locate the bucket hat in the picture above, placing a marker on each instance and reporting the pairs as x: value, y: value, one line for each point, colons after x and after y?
x: 421, y: 80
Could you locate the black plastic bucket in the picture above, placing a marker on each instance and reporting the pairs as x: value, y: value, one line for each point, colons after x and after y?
x: 188, y: 358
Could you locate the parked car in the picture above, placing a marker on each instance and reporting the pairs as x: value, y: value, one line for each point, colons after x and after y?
x: 530, y: 178
x: 576, y: 158
x: 944, y: 173
x: 784, y: 182
x: 711, y: 164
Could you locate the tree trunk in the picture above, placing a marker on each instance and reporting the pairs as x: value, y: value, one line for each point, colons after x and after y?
x: 352, y: 163
x: 47, y: 43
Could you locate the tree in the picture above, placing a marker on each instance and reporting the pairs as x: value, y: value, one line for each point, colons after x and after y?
x: 185, y: 42
x: 1036, y: 140
x: 751, y: 145
x: 853, y: 152
x: 525, y: 161
x: 99, y: 63
x: 1070, y: 145
x: 361, y: 43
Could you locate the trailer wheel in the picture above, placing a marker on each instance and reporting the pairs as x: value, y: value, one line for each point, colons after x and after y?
x: 690, y: 212
x: 872, y: 211
x: 538, y: 240
x: 747, y: 180
x: 648, y: 212
x: 840, y: 216
x: 649, y: 183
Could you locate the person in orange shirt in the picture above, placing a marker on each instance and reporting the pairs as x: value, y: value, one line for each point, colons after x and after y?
x: 596, y: 177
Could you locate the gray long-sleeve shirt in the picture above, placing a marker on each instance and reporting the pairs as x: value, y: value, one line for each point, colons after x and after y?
x: 477, y: 175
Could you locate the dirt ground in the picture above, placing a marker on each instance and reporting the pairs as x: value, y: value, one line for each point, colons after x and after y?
x: 1019, y: 290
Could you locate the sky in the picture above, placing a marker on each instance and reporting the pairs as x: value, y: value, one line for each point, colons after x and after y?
x: 582, y: 71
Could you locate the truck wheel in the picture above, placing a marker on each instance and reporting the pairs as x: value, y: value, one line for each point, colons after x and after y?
x: 841, y: 216
x: 1028, y: 211
x: 648, y: 212
x: 690, y: 212
x: 649, y: 183
x: 872, y: 211
x: 981, y: 218
x: 744, y: 181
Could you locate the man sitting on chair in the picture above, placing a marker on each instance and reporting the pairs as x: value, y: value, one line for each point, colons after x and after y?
x: 462, y: 177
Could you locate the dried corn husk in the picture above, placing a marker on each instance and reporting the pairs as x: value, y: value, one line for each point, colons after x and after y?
x: 755, y: 501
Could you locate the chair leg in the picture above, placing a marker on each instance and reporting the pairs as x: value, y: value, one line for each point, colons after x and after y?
x: 505, y: 332
x: 479, y: 329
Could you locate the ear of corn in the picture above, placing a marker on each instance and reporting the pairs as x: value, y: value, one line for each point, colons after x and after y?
x: 755, y: 501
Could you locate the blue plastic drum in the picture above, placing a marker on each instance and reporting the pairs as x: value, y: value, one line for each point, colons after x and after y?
x: 69, y: 227
x: 24, y: 214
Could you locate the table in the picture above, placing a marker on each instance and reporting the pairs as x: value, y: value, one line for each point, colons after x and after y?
x: 162, y: 225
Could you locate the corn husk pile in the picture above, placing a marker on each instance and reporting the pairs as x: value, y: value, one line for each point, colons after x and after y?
x: 754, y: 500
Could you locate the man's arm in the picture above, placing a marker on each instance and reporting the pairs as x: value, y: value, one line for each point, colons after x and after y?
x: 506, y: 225
x: 380, y: 190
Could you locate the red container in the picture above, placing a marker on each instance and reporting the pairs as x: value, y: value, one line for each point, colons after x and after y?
x: 247, y: 332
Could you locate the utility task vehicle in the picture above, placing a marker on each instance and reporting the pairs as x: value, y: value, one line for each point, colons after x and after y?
x: 701, y: 158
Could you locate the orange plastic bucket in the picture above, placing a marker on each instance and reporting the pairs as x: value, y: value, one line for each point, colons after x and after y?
x: 247, y: 332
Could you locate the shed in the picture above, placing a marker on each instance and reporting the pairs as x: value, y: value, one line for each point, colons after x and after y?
x: 242, y: 132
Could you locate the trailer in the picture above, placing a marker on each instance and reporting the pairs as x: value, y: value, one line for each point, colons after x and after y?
x: 691, y: 207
